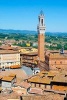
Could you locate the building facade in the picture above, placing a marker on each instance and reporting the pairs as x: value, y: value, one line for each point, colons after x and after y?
x: 28, y: 56
x: 56, y: 61
x: 9, y: 58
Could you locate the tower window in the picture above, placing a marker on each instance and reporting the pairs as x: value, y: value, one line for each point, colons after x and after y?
x: 42, y: 22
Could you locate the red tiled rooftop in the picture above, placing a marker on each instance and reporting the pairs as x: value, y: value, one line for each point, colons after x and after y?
x: 36, y: 91
x: 8, y: 51
x: 7, y: 78
x: 25, y: 85
x: 15, y: 66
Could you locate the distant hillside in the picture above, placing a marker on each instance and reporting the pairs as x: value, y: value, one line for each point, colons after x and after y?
x: 63, y: 34
x: 7, y: 31
x: 17, y: 31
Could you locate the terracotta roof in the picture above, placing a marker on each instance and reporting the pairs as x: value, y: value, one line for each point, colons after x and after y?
x: 13, y: 99
x: 25, y: 85
x: 36, y: 90
x: 51, y: 74
x: 42, y: 73
x: 46, y: 73
x: 12, y: 75
x: 43, y: 77
x: 0, y: 77
x: 7, y: 78
x: 60, y: 78
x: 19, y: 90
x: 38, y: 79
x: 15, y: 66
x: 6, y: 47
x: 57, y: 55
x: 30, y: 54
x: 8, y: 51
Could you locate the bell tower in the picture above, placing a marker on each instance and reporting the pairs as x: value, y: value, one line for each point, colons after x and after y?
x: 41, y: 31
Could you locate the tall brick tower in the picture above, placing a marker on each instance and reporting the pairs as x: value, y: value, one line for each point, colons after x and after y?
x: 41, y: 31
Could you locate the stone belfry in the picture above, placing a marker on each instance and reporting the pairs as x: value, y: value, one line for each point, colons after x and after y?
x: 41, y: 31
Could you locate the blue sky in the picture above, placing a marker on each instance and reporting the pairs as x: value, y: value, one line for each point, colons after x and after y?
x: 23, y: 14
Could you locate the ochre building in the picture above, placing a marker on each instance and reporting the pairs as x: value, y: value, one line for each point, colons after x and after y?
x: 56, y: 61
x: 29, y: 56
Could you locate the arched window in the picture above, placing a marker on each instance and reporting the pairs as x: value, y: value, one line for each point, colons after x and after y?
x: 42, y: 22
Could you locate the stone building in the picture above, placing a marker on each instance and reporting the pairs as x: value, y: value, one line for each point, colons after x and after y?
x: 9, y: 58
x: 56, y: 60
x: 28, y: 56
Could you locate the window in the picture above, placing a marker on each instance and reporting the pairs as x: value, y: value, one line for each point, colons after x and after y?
x: 39, y: 85
x: 42, y: 22
x: 51, y: 87
x: 60, y: 62
x: 35, y: 84
x: 55, y: 62
x: 11, y: 62
x: 45, y: 86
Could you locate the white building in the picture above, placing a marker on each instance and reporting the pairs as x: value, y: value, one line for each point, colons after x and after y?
x: 9, y: 58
